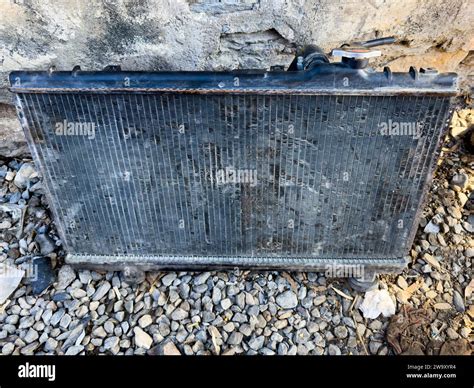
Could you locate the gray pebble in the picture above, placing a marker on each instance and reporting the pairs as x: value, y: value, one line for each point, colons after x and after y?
x: 111, y: 343
x: 99, y: 332
x: 145, y: 321
x: 319, y: 300
x: 85, y: 276
x: 341, y: 332
x: 246, y: 330
x: 66, y: 276
x: 282, y: 349
x: 287, y: 300
x: 101, y: 291
x: 65, y: 321
x: 459, y: 302
x: 226, y: 303
x: 109, y: 327
x: 374, y: 346
x: 8, y: 348
x: 29, y: 350
x: 201, y: 278
x: 26, y: 322
x: 333, y: 350
x: 31, y: 335
x: 168, y: 279
x: 216, y: 295
x: 73, y: 337
x: 74, y: 350
x: 50, y: 345
x: 164, y: 329
x: 179, y: 314
x: 235, y: 338
x: 256, y: 343
x: 45, y: 243
x: 302, y: 336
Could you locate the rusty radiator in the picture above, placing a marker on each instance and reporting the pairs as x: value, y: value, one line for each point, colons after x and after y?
x: 269, y: 169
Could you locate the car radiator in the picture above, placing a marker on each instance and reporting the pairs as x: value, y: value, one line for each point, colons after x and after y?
x: 323, y: 165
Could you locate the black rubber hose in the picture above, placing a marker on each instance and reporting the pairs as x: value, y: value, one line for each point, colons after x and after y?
x: 312, y: 52
x: 379, y: 42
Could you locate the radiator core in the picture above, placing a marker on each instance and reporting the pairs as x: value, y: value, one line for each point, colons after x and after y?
x: 243, y: 176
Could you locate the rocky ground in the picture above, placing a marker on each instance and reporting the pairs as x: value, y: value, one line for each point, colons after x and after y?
x: 73, y: 312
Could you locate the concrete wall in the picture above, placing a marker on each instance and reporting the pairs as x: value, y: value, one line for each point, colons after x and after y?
x: 226, y: 34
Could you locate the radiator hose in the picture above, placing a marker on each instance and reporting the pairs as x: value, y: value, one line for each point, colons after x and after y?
x: 308, y: 57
